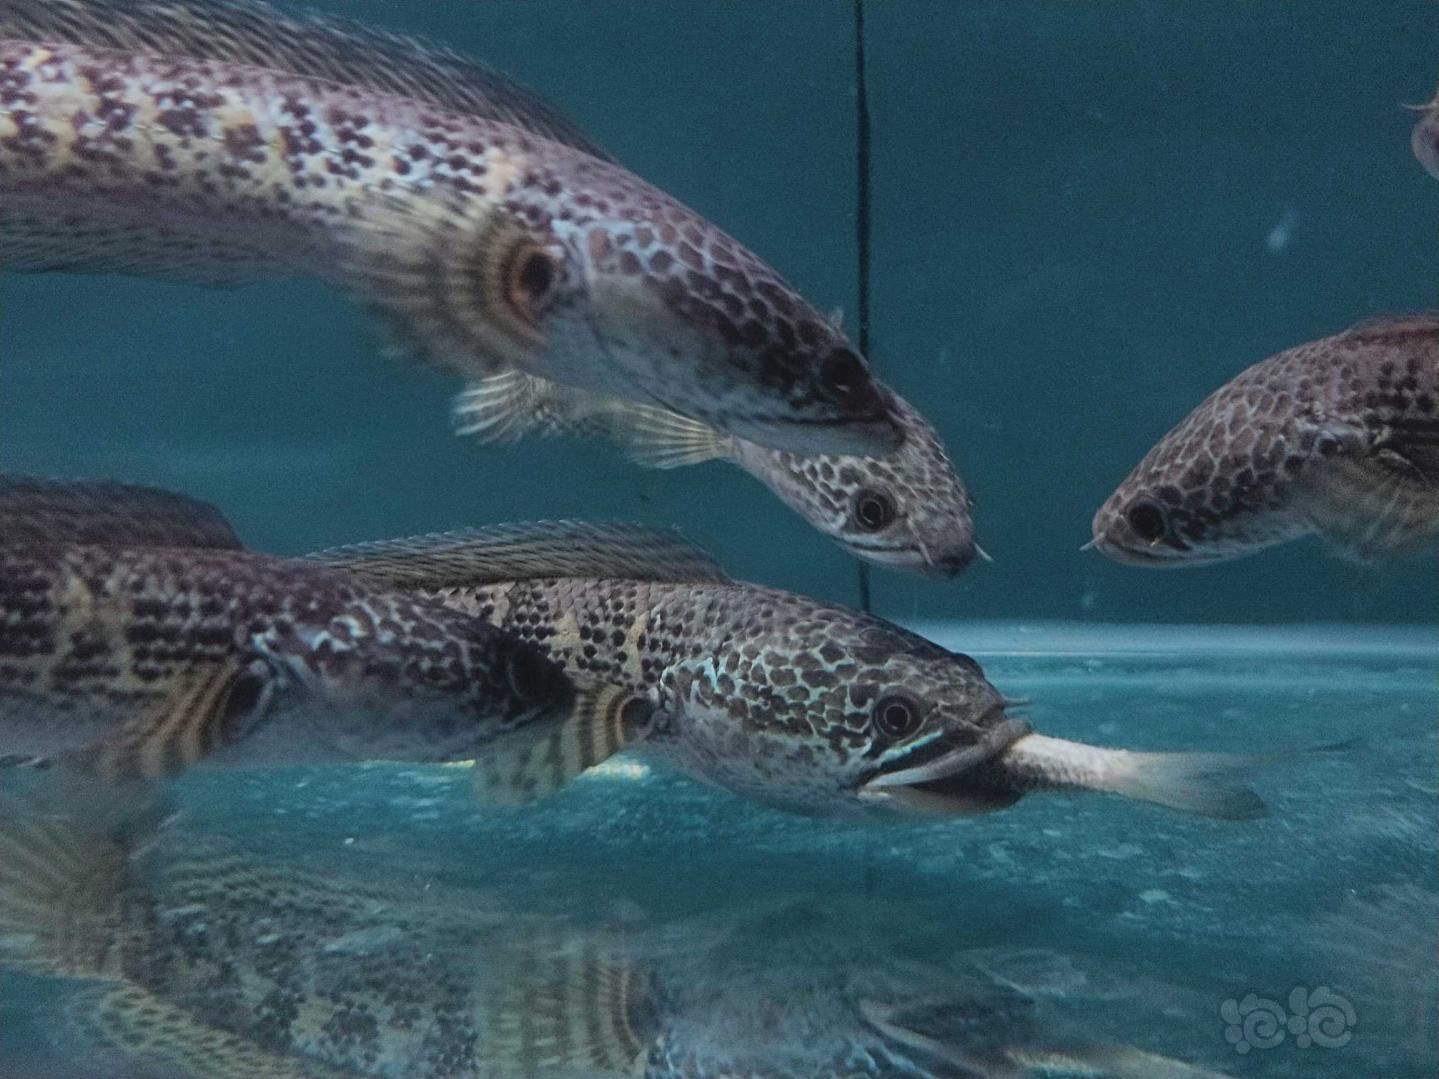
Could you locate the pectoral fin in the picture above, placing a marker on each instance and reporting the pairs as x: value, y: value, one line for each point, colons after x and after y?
x: 1382, y: 499
x: 517, y: 771
x: 657, y: 438
x: 209, y: 708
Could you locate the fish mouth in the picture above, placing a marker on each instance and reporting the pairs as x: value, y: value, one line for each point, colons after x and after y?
x: 1158, y: 556
x: 947, y: 564
x: 938, y: 778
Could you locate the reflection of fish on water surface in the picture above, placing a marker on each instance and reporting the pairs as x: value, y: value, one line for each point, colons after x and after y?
x: 908, y: 510
x: 1337, y: 438
x: 202, y: 960
x: 219, y: 141
x: 792, y: 702
x: 135, y: 661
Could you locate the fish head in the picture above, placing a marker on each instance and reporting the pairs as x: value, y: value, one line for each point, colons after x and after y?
x: 1220, y: 485
x: 610, y: 273
x: 831, y: 712
x: 909, y: 511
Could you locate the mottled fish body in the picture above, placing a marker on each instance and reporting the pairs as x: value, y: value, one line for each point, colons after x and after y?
x: 206, y: 961
x: 217, y: 141
x: 908, y: 510
x: 137, y: 662
x: 1337, y: 438
x: 792, y: 702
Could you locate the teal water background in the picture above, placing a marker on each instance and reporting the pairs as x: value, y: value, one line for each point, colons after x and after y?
x: 1085, y: 218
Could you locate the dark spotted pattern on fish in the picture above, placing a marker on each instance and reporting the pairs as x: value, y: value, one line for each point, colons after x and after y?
x: 338, y: 973
x: 764, y: 692
x: 95, y: 639
x: 485, y: 243
x: 1334, y: 437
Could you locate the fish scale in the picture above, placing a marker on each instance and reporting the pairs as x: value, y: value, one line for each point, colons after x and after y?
x: 139, y: 662
x: 484, y: 231
x: 791, y: 702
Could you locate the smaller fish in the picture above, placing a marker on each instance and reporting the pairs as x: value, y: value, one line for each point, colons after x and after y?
x: 909, y: 511
x: 1425, y: 137
x: 136, y: 662
x: 1337, y: 438
x: 798, y: 704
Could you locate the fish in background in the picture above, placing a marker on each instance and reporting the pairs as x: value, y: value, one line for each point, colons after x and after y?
x: 909, y: 510
x: 220, y: 141
x: 1425, y: 137
x: 1337, y: 438
x: 199, y: 959
x: 794, y: 703
x: 129, y: 663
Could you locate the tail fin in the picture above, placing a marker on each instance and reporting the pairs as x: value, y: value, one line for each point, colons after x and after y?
x: 60, y: 886
x: 1205, y: 784
x: 1202, y: 783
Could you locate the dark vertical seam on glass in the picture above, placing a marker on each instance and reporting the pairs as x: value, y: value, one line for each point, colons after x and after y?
x: 861, y: 161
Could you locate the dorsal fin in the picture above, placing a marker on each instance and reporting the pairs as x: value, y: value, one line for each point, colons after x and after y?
x: 311, y: 45
x: 113, y: 514
x: 518, y: 552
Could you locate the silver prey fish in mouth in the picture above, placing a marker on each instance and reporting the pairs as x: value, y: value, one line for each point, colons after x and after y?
x: 1337, y: 438
x: 799, y: 704
x: 139, y: 640
x: 222, y: 141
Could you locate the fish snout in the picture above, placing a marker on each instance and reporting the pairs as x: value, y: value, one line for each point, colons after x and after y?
x: 952, y: 561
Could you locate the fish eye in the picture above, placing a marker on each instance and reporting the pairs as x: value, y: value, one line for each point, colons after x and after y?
x: 873, y: 509
x: 843, y: 374
x: 532, y: 276
x: 895, y: 715
x: 1148, y: 519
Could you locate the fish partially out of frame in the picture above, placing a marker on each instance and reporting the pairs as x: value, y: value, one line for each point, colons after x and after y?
x: 149, y: 643
x: 908, y: 511
x: 198, y: 959
x: 1337, y: 438
x: 795, y: 703
x: 222, y: 141
x: 1424, y: 139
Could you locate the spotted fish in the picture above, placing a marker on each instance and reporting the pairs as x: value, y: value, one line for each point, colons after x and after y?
x: 220, y: 141
x: 909, y: 510
x: 1337, y: 438
x: 202, y: 960
x: 794, y: 703
x: 136, y: 662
